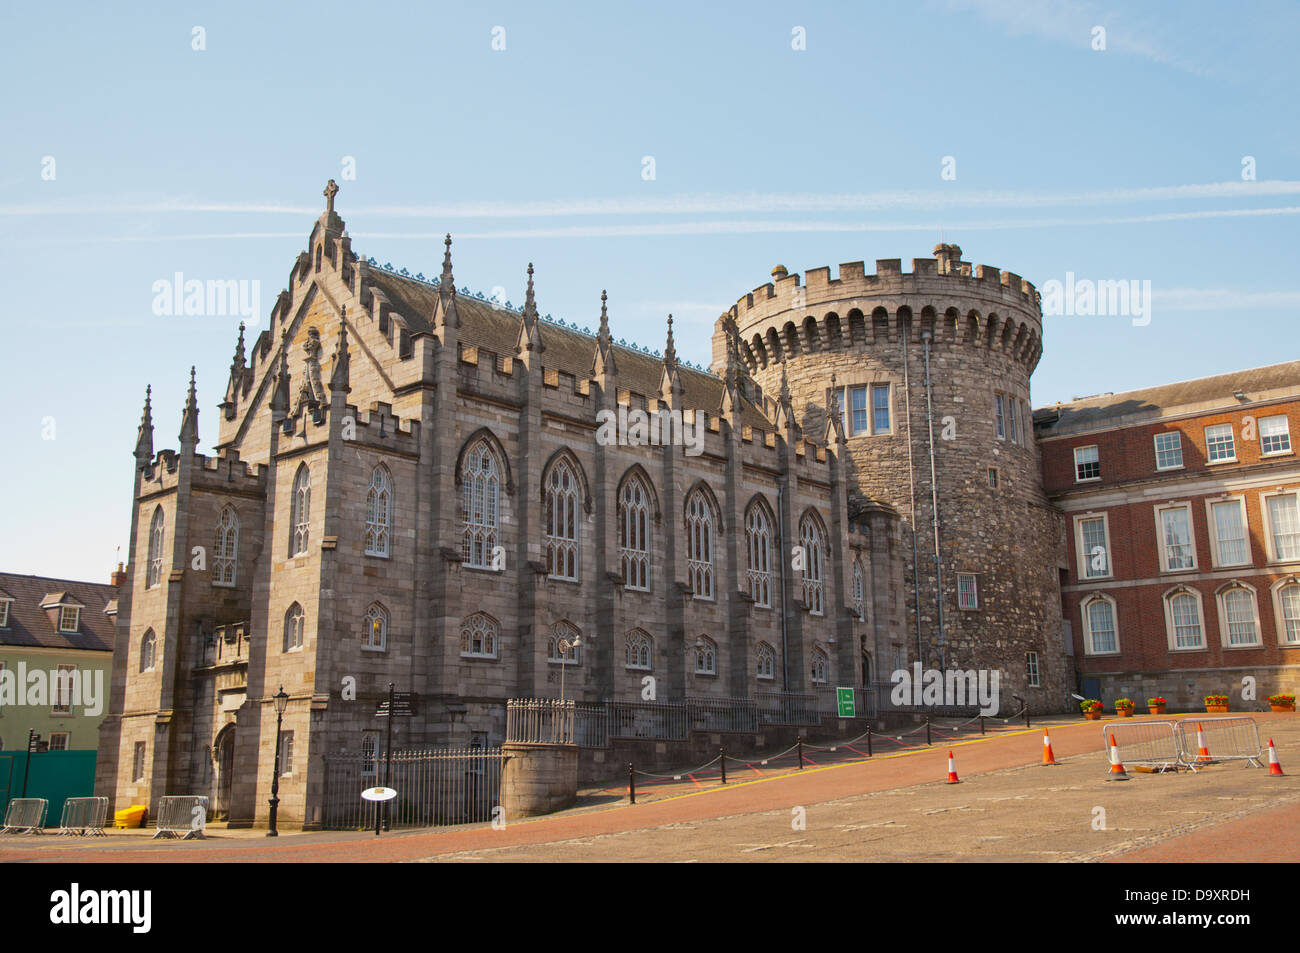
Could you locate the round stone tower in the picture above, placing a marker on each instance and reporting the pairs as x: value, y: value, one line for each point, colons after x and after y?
x: 929, y: 371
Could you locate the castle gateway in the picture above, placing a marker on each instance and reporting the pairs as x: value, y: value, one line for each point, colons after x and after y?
x: 413, y: 485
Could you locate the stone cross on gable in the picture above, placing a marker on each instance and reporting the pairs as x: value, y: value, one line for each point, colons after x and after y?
x: 331, y: 190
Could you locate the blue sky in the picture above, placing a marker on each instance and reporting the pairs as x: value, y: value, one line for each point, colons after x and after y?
x: 1122, y: 163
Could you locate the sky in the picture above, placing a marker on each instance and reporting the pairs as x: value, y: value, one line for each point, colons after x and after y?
x: 671, y: 153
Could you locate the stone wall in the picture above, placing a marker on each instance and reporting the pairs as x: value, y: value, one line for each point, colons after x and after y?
x: 983, y: 332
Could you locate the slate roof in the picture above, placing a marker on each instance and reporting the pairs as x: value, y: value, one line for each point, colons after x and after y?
x: 29, y: 624
x: 1152, y: 403
x: 568, y: 350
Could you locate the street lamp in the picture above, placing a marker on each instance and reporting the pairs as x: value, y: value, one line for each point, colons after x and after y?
x: 564, y: 647
x: 281, y: 699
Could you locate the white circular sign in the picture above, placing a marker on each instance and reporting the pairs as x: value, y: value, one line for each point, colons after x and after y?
x: 379, y: 794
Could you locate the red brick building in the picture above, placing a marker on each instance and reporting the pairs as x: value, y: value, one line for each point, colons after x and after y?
x: 1182, y: 517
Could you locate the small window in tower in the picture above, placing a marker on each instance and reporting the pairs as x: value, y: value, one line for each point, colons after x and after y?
x: 858, y: 410
x: 967, y: 591
x: 880, y: 422
x: 993, y: 478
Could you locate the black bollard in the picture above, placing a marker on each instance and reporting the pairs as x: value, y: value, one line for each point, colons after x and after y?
x: 800, y: 754
x: 722, y: 760
x: 631, y: 784
x: 868, y: 741
x: 981, y: 724
x: 927, y: 730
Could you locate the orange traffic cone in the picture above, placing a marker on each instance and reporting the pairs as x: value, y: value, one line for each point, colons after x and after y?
x: 1274, y: 766
x: 1048, y: 757
x: 952, y: 770
x: 1203, y: 752
x: 1117, y: 772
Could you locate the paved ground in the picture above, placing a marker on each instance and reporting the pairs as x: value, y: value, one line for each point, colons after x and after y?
x: 894, y: 807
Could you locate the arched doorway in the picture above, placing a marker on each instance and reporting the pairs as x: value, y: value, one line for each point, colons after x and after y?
x: 866, y: 670
x: 224, y: 758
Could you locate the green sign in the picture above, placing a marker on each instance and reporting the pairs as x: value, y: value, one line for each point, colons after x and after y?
x: 844, y: 698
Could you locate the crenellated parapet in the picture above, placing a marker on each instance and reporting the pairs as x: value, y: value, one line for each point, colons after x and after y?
x: 224, y: 473
x: 228, y: 471
x: 956, y: 302
x: 378, y: 428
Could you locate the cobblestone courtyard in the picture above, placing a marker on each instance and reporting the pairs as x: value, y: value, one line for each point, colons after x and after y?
x: 893, y: 808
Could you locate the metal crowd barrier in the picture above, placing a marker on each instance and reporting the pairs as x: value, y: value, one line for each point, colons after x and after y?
x: 84, y: 816
x: 25, y: 815
x: 182, y: 816
x: 1228, y: 739
x: 1144, y: 742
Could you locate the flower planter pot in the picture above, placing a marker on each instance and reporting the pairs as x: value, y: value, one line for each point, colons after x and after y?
x: 1124, y: 712
x: 1156, y: 709
x: 1290, y: 707
x: 1092, y: 715
x: 1216, y: 709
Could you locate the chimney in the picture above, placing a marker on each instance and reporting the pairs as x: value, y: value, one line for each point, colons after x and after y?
x: 118, y: 577
x: 949, y: 258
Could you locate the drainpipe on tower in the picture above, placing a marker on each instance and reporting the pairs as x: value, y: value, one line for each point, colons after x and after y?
x: 911, y: 482
x: 934, y: 501
x: 780, y: 548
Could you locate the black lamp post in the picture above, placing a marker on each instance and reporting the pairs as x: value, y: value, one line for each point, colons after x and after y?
x: 281, y: 699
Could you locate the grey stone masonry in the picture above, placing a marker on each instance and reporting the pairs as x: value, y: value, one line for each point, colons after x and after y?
x: 871, y: 337
x: 353, y: 436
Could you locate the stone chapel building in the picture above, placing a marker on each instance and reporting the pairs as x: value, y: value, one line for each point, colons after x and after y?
x: 416, y: 485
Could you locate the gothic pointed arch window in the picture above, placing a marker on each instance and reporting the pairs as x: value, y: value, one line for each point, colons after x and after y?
x: 379, y: 512
x: 638, y: 650
x: 480, y: 506
x: 699, y: 545
x: 294, y: 626
x: 300, y: 512
x: 821, y: 666
x: 157, y: 533
x: 859, y: 590
x: 564, y: 644
x: 766, y: 656
x: 814, y: 558
x: 148, y: 651
x: 634, y: 533
x: 560, y: 521
x: 226, y: 560
x: 374, y: 636
x: 706, y: 656
x: 758, y: 550
x: 479, y: 636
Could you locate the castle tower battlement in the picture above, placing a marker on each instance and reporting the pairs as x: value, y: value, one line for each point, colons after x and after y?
x: 956, y: 302
x: 928, y: 372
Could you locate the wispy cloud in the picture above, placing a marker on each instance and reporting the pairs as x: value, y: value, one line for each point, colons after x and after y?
x: 710, y: 227
x: 1222, y: 299
x: 1071, y: 23
x: 700, y: 204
